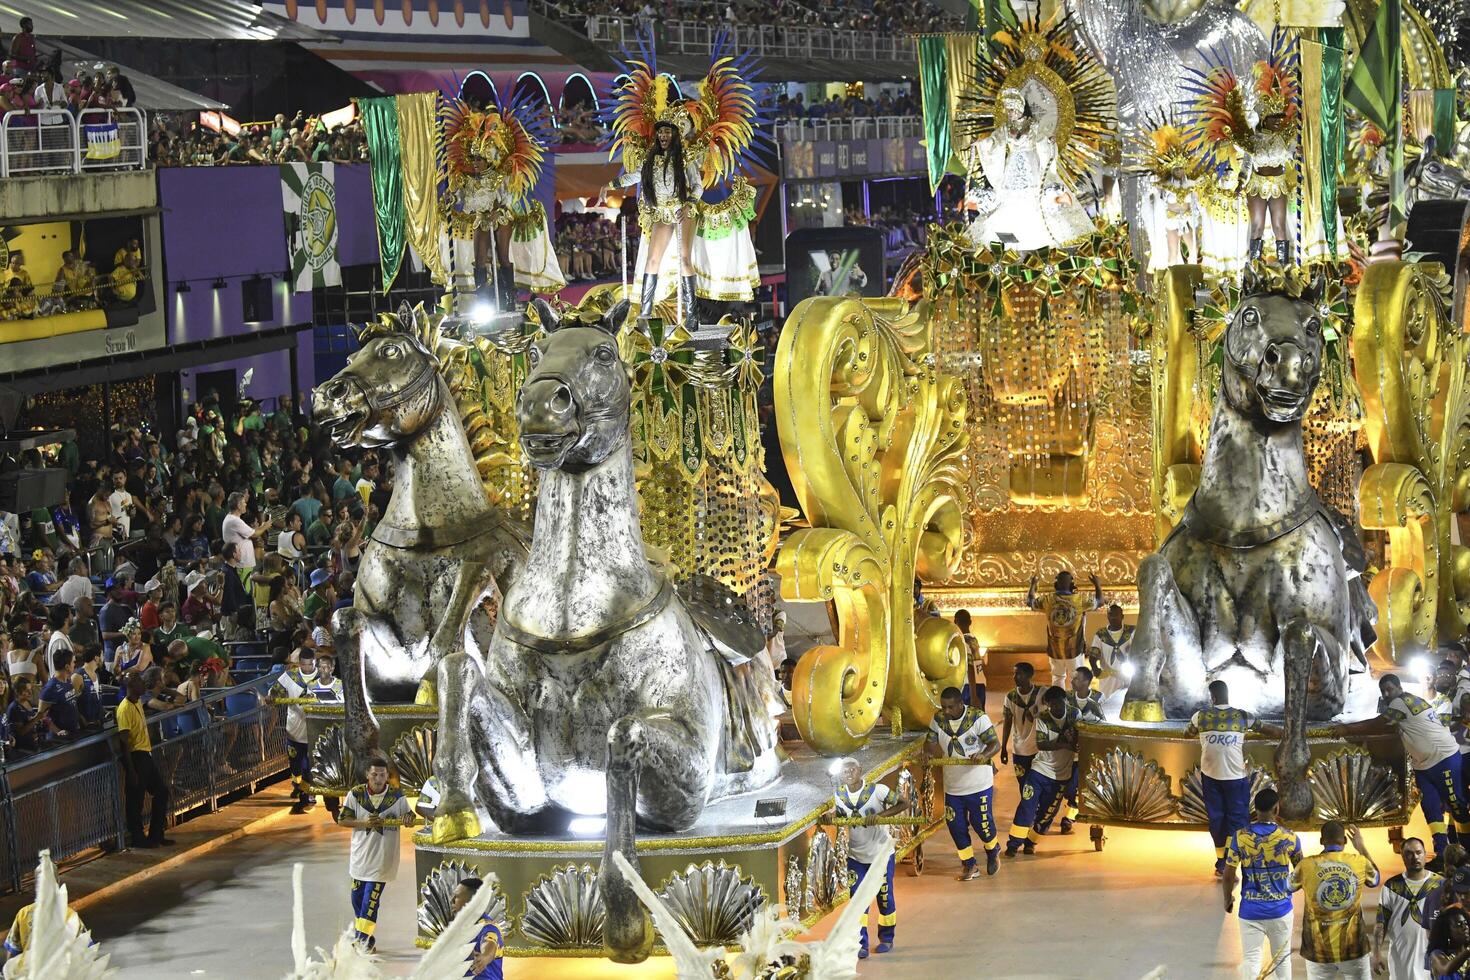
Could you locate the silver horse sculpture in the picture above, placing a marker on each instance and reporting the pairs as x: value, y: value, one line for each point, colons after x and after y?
x: 1148, y: 62
x: 604, y: 690
x: 439, y: 547
x: 1260, y: 582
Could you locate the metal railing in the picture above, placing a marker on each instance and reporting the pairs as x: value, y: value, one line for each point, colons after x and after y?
x: 857, y: 128
x: 70, y: 797
x: 50, y: 141
x: 680, y: 37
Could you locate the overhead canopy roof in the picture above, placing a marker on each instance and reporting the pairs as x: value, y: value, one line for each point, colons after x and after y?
x: 220, y: 20
x: 154, y: 94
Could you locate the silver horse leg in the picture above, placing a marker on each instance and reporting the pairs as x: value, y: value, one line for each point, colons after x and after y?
x: 1305, y: 655
x: 649, y: 741
x: 1166, y: 650
x: 362, y: 727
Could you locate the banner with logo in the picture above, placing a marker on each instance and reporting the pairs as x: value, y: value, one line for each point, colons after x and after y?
x: 309, y: 199
x: 103, y: 141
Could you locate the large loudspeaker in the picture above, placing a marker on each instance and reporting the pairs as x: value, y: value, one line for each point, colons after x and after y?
x: 834, y: 262
x: 255, y: 301
x: 25, y: 490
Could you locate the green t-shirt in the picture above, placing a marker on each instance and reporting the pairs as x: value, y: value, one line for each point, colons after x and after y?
x: 162, y: 637
x: 201, y: 650
x: 214, y: 519
x: 344, y: 488
x: 311, y: 604
x: 309, y: 508
x: 318, y: 534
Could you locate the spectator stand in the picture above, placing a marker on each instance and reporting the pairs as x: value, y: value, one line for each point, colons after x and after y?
x: 69, y: 798
x: 56, y: 142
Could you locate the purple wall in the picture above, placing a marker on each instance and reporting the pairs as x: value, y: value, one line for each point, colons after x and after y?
x: 226, y: 222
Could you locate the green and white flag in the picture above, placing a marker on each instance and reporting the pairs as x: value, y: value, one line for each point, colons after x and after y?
x: 309, y: 199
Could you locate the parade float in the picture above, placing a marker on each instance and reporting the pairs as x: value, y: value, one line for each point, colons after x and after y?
x: 561, y: 617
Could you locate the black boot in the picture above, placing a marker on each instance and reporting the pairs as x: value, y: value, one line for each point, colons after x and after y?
x: 1283, y: 253
x: 482, y: 275
x: 650, y: 295
x: 1255, y: 251
x: 506, y: 295
x: 690, y: 302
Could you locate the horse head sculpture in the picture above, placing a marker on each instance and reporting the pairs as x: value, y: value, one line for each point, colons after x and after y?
x: 389, y: 392
x: 573, y: 408
x: 439, y: 546
x: 668, y: 692
x: 1273, y: 355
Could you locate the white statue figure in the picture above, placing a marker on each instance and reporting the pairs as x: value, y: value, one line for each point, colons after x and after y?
x: 1014, y: 183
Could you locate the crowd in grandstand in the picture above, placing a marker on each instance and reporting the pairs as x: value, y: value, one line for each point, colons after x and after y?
x: 75, y: 286
x: 32, y: 81
x: 904, y: 229
x: 884, y: 17
x: 239, y: 527
x: 186, y: 143
x: 589, y: 246
x: 845, y: 107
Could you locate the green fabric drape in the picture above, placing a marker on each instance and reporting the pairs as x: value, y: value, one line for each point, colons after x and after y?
x: 1376, y: 89
x: 1332, y: 40
x: 934, y: 88
x: 1444, y: 119
x: 380, y: 127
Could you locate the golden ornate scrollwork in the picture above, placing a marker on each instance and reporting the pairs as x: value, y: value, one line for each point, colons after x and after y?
x: 872, y: 434
x: 1409, y: 359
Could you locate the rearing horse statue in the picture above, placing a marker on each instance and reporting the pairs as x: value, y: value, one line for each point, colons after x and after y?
x: 439, y: 547
x: 1260, y: 582
x: 604, y: 690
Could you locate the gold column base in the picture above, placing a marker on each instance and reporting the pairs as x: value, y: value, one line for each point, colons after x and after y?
x: 1142, y: 711
x: 451, y: 827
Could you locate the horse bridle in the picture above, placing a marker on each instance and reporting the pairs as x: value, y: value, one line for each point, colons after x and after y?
x: 412, y: 388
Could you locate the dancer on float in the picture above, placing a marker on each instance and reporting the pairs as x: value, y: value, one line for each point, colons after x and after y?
x: 676, y: 149
x: 494, y: 158
x: 1248, y: 133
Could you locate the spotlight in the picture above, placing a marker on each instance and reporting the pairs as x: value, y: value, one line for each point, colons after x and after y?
x: 184, y: 287
x: 219, y: 283
x: 1127, y: 670
x: 481, y: 313
x: 587, y: 826
x: 1422, y: 669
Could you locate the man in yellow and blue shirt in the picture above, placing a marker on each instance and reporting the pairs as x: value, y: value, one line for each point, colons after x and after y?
x: 1334, y: 942
x: 1262, y: 855
x: 958, y: 732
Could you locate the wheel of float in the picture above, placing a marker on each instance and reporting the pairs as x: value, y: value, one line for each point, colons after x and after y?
x: 1098, y: 837
x: 918, y: 860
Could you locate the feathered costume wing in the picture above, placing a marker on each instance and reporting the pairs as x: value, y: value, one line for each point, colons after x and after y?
x: 719, y: 126
x: 1218, y: 129
x: 349, y: 961
x: 1223, y: 112
x: 509, y: 141
x: 57, y: 949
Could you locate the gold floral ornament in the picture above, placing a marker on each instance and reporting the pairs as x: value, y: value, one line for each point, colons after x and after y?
x: 1410, y: 359
x: 661, y: 360
x: 872, y: 433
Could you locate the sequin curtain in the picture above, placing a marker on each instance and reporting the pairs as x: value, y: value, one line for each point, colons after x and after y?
x: 418, y: 140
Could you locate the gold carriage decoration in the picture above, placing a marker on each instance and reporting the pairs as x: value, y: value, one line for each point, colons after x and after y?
x: 1045, y: 343
x: 873, y: 432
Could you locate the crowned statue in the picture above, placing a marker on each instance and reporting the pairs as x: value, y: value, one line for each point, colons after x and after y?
x: 1014, y: 185
x: 1032, y: 125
